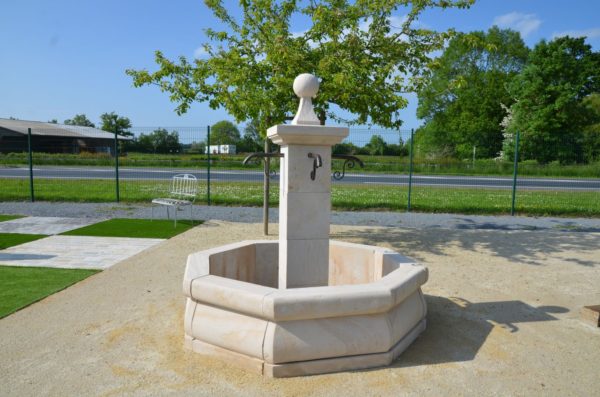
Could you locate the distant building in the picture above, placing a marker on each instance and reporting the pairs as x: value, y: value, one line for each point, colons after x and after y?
x: 55, y: 138
x: 220, y: 149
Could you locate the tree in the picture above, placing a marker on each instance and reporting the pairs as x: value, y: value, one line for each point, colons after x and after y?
x: 224, y: 133
x: 591, y: 133
x: 80, y: 120
x: 53, y: 121
x: 345, y: 148
x: 114, y: 123
x: 160, y: 141
x: 376, y: 146
x: 462, y: 102
x: 197, y: 147
x: 251, y: 141
x: 550, y: 112
x: 365, y: 56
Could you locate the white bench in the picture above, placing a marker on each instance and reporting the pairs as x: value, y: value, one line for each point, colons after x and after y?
x: 184, y: 188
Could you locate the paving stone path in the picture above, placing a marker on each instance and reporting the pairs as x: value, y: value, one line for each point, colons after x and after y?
x: 67, y: 252
x: 45, y: 225
x: 75, y: 252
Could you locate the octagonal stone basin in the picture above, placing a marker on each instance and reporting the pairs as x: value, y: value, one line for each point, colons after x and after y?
x: 370, y: 312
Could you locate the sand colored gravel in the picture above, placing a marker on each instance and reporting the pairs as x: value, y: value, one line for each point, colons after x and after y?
x: 503, y: 320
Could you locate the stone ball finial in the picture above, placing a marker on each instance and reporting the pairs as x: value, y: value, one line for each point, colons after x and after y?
x: 306, y: 85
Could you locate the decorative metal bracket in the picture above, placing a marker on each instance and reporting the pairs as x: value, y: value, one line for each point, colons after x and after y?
x: 349, y: 161
x: 317, y: 163
x: 258, y: 156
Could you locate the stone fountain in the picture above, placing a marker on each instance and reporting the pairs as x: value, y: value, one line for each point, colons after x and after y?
x: 303, y: 305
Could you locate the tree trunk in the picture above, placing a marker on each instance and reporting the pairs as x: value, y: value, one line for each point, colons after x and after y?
x: 266, y: 186
x: 322, y: 117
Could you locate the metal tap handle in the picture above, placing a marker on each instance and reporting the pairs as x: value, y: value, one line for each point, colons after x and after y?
x: 317, y: 163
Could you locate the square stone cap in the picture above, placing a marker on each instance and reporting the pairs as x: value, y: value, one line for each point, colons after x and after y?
x: 298, y: 134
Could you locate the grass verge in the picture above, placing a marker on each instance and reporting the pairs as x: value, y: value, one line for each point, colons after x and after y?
x: 373, y: 164
x: 12, y: 239
x: 344, y: 197
x: 140, y: 228
x: 10, y: 217
x: 22, y: 286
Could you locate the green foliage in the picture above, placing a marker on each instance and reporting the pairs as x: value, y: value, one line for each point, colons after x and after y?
x: 224, y: 133
x: 81, y: 120
x: 591, y: 133
x: 357, y: 49
x: 22, y: 286
x: 345, y: 148
x: 159, y: 141
x: 252, y: 140
x: 196, y: 147
x: 462, y: 102
x: 112, y: 122
x: 550, y: 112
x: 376, y: 146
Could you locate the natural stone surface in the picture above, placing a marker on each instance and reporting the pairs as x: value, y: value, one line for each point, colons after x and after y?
x: 305, y: 191
x: 317, y: 135
x: 356, y: 314
x: 329, y: 305
x: 75, y: 252
x: 45, y: 225
x: 306, y: 87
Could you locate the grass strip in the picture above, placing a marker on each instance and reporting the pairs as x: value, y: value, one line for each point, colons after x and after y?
x: 12, y: 239
x: 138, y: 228
x: 22, y: 286
x: 10, y: 217
x: 373, y: 164
x: 344, y: 196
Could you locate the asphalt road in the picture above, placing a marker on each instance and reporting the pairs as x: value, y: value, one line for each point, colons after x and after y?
x: 219, y: 175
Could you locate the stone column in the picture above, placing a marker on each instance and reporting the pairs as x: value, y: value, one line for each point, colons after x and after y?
x: 304, y: 202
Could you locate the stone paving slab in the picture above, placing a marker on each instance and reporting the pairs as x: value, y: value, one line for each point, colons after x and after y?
x: 75, y: 252
x: 45, y: 225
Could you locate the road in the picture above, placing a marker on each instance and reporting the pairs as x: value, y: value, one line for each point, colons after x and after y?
x: 219, y: 175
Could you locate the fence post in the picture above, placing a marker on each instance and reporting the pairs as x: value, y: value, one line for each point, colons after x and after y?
x: 515, y: 172
x: 410, y: 167
x: 117, y: 166
x: 29, y: 150
x: 208, y: 164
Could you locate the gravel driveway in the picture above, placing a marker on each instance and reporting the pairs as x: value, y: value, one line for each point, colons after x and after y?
x: 503, y: 319
x: 254, y: 215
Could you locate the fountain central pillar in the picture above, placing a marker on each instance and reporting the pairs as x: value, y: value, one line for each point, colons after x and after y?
x: 305, y: 191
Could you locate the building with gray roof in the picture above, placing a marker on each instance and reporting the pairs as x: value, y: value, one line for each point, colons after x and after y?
x: 54, y: 138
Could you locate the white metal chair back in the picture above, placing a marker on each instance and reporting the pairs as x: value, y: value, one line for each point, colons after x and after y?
x: 184, y: 186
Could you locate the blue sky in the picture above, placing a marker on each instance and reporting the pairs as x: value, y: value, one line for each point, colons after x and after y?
x: 63, y: 57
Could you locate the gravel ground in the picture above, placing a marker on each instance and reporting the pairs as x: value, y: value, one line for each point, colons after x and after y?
x: 503, y: 319
x: 254, y: 215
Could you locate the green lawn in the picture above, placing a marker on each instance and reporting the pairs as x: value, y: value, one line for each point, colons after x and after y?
x: 9, y: 217
x: 142, y: 228
x: 344, y: 197
x: 12, y: 239
x: 22, y: 286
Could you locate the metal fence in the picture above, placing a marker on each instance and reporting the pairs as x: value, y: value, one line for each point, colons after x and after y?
x: 396, y: 175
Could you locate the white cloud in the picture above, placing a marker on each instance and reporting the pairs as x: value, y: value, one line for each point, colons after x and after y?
x: 591, y: 33
x: 200, y: 53
x: 524, y: 23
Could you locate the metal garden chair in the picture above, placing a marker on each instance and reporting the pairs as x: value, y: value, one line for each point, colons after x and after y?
x: 184, y: 188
